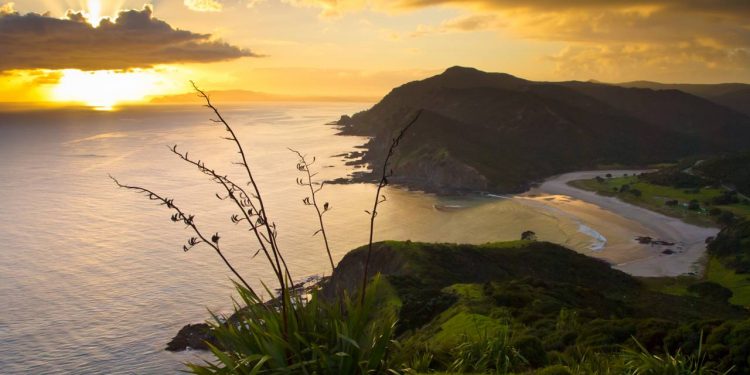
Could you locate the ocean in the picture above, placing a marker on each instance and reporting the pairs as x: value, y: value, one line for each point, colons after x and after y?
x: 93, y: 278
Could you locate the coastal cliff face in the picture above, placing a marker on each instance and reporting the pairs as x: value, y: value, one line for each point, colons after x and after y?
x: 498, y: 133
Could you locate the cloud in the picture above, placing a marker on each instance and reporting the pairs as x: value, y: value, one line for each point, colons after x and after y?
x: 611, y: 39
x: 7, y: 8
x: 674, y: 62
x: 135, y: 39
x: 203, y: 5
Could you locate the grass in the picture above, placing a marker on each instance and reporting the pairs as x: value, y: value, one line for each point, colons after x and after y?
x: 739, y: 284
x: 654, y: 197
x: 716, y: 272
x: 462, y: 326
x: 467, y: 292
x: 676, y: 286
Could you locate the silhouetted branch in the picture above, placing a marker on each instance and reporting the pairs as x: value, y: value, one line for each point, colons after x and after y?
x: 237, y: 194
x: 278, y: 257
x: 270, y: 228
x: 304, y: 166
x: 380, y: 198
x: 188, y: 220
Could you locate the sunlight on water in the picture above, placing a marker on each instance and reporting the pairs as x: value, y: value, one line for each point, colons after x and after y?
x: 93, y: 279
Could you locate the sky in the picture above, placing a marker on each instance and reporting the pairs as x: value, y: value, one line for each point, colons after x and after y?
x: 106, y: 52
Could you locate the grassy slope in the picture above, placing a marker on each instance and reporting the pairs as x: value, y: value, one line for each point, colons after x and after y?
x: 739, y: 284
x: 654, y: 197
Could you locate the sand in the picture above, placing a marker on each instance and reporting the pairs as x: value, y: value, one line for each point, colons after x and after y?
x: 620, y: 223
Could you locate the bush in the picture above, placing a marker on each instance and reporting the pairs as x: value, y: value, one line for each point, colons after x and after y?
x: 337, y: 337
x: 642, y: 361
x: 486, y: 354
x: 555, y: 370
x: 726, y: 198
x: 531, y: 350
x: 726, y: 218
x: 694, y: 205
x: 710, y: 290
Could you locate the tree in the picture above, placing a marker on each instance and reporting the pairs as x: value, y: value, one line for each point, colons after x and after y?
x: 528, y: 236
x: 694, y: 205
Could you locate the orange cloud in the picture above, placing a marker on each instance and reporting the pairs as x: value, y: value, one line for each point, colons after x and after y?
x: 134, y: 39
x: 203, y: 5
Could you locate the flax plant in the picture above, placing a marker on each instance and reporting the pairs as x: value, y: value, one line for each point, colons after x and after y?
x: 291, y: 333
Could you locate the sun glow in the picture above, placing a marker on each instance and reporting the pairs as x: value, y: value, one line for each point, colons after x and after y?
x: 104, y: 89
x: 94, y: 12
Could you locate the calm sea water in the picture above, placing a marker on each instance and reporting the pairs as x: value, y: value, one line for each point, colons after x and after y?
x: 93, y: 278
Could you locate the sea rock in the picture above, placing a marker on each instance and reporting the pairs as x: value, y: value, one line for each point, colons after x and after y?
x: 192, y: 336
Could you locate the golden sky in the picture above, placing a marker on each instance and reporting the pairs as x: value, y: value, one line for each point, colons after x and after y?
x: 104, y: 52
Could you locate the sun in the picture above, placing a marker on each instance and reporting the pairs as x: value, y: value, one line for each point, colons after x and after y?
x: 94, y: 12
x: 105, y: 89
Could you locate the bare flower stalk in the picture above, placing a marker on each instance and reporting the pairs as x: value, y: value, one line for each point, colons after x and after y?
x: 242, y: 200
x: 250, y: 205
x: 270, y: 228
x: 380, y: 198
x: 188, y: 220
x: 304, y: 166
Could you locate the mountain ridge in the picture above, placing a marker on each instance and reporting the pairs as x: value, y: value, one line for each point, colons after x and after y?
x: 503, y: 133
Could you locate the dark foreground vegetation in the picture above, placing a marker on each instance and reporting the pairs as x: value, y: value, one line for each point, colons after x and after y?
x: 530, y: 305
x: 504, y: 308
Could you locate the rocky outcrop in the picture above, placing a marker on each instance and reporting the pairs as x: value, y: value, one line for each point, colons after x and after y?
x: 444, y: 175
x: 192, y: 336
x: 347, y: 277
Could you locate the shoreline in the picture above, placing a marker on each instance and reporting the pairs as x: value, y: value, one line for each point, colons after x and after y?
x: 620, y: 223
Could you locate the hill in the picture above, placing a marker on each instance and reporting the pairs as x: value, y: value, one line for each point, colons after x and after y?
x: 730, y: 95
x: 499, y: 133
x: 551, y: 304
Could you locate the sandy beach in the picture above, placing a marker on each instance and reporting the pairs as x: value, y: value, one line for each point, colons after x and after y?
x: 620, y: 223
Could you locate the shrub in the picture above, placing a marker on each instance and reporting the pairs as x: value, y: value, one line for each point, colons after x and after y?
x: 486, y: 355
x: 316, y: 336
x: 641, y: 361
x: 694, y: 205
x: 710, y: 290
x: 531, y: 349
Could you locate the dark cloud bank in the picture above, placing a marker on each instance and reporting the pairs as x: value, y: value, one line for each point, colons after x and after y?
x: 135, y: 39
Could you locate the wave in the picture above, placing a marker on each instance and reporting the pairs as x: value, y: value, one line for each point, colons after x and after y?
x: 599, y: 240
